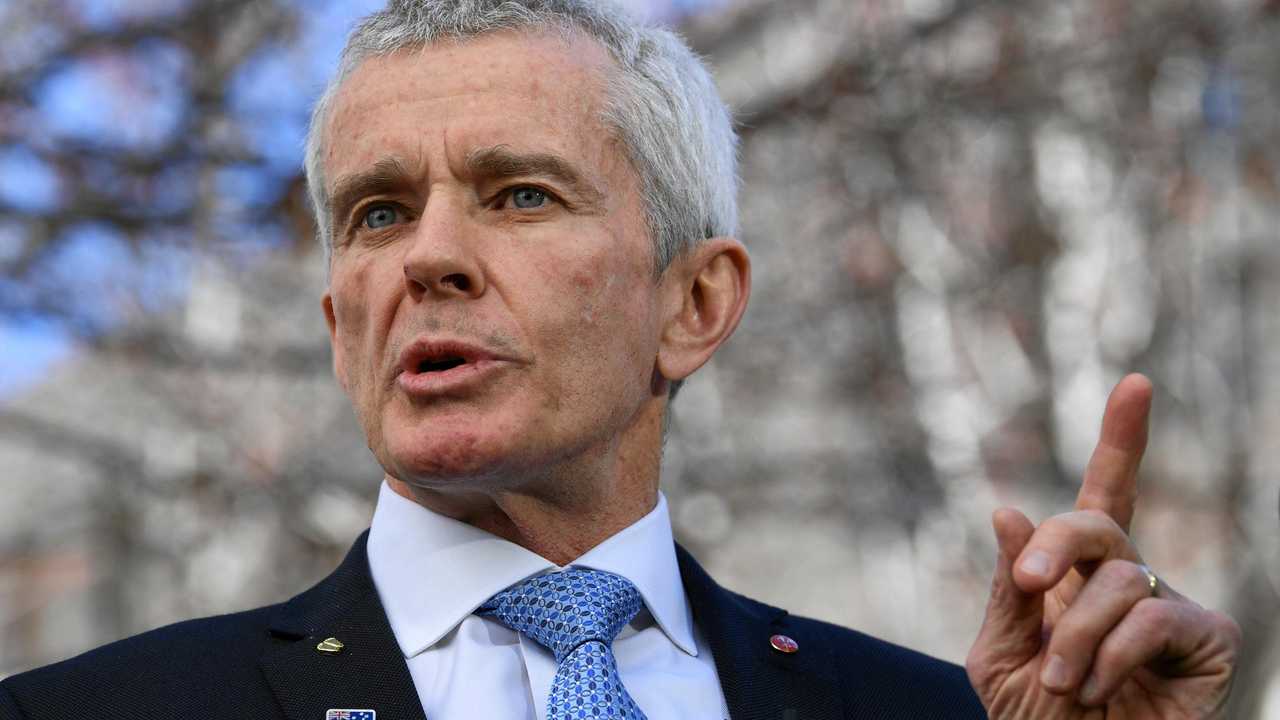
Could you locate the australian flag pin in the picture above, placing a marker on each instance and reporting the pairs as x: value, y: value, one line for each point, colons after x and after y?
x: 351, y: 715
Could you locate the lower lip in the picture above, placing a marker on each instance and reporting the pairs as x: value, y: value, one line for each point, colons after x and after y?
x: 465, y: 377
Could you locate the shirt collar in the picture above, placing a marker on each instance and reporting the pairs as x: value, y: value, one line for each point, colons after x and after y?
x: 645, y: 553
x: 432, y: 571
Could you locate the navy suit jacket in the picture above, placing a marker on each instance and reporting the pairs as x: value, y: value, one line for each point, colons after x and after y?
x: 264, y: 664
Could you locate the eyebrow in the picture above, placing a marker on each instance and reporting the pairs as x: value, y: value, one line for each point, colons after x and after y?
x: 390, y: 175
x: 386, y: 175
x: 502, y: 162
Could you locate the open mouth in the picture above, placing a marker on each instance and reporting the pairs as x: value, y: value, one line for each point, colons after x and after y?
x: 441, y: 365
x: 431, y: 366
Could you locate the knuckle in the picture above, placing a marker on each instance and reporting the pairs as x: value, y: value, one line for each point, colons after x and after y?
x: 1227, y: 627
x: 1060, y: 519
x: 1102, y: 522
x: 1058, y: 525
x: 1118, y: 575
x: 973, y: 665
x: 988, y: 666
x: 1154, y: 615
x: 1095, y: 514
x: 1089, y: 521
x: 979, y: 668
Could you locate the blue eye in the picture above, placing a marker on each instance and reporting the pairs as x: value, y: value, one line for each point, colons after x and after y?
x: 527, y: 198
x: 380, y: 216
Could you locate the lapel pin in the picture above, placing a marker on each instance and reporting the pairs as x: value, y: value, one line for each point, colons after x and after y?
x: 351, y: 715
x: 333, y: 645
x: 784, y: 644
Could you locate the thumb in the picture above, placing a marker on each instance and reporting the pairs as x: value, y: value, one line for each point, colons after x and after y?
x: 1011, y: 631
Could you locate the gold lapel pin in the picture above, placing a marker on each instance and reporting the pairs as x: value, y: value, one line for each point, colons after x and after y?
x: 330, y: 645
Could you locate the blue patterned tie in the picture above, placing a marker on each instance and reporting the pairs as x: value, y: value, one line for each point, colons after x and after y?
x: 575, y: 614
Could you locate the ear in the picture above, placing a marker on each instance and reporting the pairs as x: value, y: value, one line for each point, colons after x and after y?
x: 339, y: 363
x: 706, y: 295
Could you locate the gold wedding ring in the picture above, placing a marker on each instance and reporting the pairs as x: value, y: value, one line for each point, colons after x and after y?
x: 1153, y: 582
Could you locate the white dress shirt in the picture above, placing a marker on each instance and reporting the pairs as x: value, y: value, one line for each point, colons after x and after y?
x: 432, y: 572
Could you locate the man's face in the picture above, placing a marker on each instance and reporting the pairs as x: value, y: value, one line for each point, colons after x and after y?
x: 492, y: 306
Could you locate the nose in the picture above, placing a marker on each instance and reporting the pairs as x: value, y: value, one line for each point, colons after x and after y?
x: 440, y: 261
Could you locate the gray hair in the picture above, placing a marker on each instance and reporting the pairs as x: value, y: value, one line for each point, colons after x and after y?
x: 661, y: 103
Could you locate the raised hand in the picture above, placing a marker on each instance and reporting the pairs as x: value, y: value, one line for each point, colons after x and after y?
x: 1077, y: 626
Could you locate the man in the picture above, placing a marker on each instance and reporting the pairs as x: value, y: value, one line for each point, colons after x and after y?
x: 529, y: 211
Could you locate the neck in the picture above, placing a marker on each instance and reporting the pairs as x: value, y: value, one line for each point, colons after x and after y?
x: 562, y: 512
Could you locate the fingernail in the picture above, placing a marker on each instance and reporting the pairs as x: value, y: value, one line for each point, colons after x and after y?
x: 1054, y: 674
x: 1088, y: 693
x: 1036, y: 563
x: 1091, y: 691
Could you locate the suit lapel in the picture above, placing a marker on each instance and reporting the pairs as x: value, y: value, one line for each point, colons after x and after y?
x: 760, y: 683
x: 369, y: 673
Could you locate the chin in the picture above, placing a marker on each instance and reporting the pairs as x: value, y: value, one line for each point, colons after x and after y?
x: 441, y: 460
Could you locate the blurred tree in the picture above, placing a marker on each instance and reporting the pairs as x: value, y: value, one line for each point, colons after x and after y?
x: 968, y: 220
x: 149, y: 155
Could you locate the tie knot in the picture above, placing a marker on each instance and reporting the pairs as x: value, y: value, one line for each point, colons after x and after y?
x: 563, y: 610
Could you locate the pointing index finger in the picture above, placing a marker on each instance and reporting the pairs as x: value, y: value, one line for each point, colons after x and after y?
x: 1111, y: 477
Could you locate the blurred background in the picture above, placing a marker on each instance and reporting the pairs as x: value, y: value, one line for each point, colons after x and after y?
x: 968, y: 220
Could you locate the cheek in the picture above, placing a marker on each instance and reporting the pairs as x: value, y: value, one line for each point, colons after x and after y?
x: 590, y: 291
x: 591, y: 311
x: 351, y: 313
x: 350, y: 321
x: 614, y: 317
x: 582, y: 282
